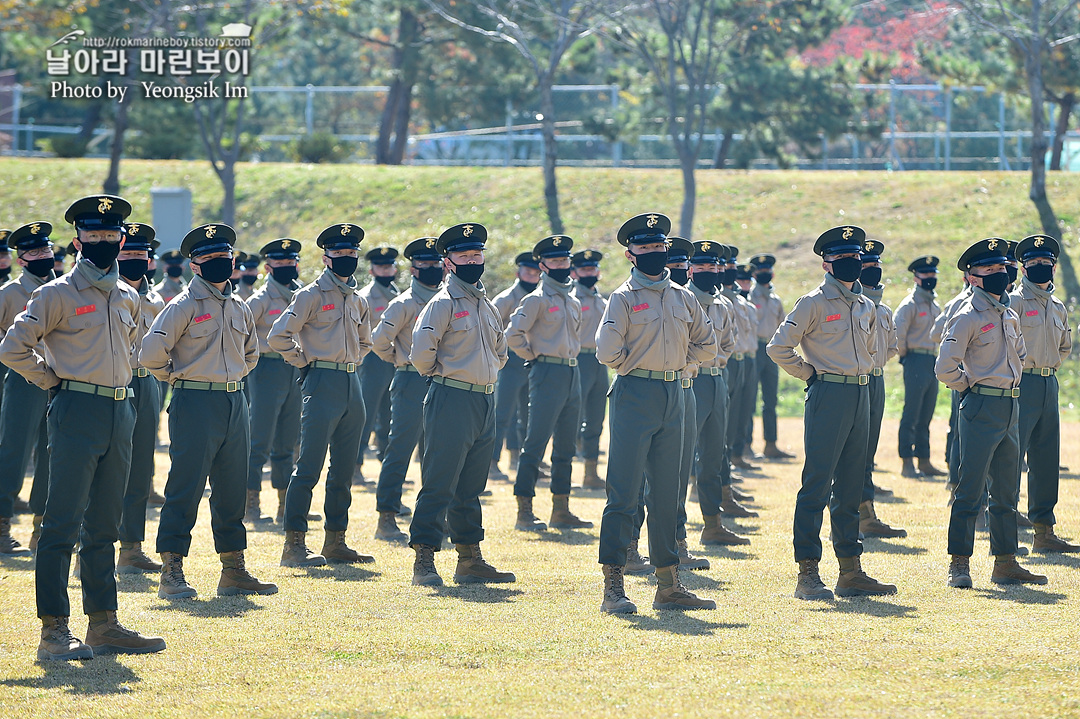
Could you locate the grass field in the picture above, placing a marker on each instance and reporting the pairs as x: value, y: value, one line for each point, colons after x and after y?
x: 363, y: 642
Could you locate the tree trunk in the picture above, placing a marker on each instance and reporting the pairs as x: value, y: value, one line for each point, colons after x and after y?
x: 228, y: 184
x: 551, y: 156
x: 92, y: 116
x: 112, y: 182
x: 1065, y: 108
x: 687, y: 163
x: 394, y: 122
x: 720, y: 157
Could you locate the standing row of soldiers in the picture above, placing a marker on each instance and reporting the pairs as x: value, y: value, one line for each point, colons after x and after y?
x: 97, y: 341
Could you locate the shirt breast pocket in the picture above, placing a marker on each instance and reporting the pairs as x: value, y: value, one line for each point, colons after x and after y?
x: 203, y: 329
x: 864, y: 324
x: 326, y: 317
x: 90, y: 319
x: 238, y: 324
x: 836, y: 326
x: 644, y: 317
x: 681, y: 313
x: 463, y: 324
x: 125, y: 317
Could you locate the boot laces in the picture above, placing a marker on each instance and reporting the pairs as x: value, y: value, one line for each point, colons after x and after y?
x: 175, y: 571
x: 810, y: 569
x: 616, y: 589
x: 676, y: 583
x: 62, y: 631
x: 425, y: 558
x: 961, y: 564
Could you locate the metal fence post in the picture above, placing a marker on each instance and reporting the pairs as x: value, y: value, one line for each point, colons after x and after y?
x: 616, y: 147
x: 1002, y: 162
x: 309, y: 109
x: 892, y: 125
x: 509, y: 133
x: 948, y: 128
x: 16, y: 107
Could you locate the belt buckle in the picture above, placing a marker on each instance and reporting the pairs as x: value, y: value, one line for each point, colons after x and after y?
x: 142, y: 372
x: 572, y: 362
x: 350, y: 366
x: 864, y: 379
x: 669, y: 375
x: 685, y: 382
x: 119, y: 393
x: 489, y: 389
x: 1045, y: 371
x: 1014, y: 392
x: 232, y: 386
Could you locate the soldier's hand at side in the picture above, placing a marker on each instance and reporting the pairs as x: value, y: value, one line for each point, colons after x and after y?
x: 303, y: 374
x: 810, y: 382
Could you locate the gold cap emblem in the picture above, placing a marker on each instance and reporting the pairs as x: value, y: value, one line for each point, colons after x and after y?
x: 588, y: 254
x: 104, y: 204
x: 1039, y: 242
x: 210, y: 231
x: 133, y: 229
x: 35, y: 228
x: 992, y: 244
x: 869, y: 246
x: 466, y: 230
x: 285, y: 244
x: 345, y: 229
x: 557, y: 241
x: 385, y: 251
x: 430, y: 243
x: 651, y: 220
x: 847, y: 233
x: 705, y: 246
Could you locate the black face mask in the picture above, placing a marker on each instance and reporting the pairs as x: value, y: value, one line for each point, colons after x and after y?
x: 430, y: 276
x: 133, y: 270
x: 763, y: 278
x: 560, y: 275
x: 996, y: 284
x: 727, y: 277
x: 41, y: 267
x: 102, y: 254
x: 1012, y: 272
x: 527, y: 286
x: 344, y: 266
x: 470, y: 274
x: 651, y: 263
x: 1040, y: 274
x: 216, y: 270
x: 150, y: 275
x: 679, y: 275
x: 870, y: 276
x: 385, y: 281
x: 705, y: 281
x: 847, y: 269
x: 285, y: 275
x: 249, y: 279
x: 588, y: 281
x: 175, y: 271
x: 5, y: 272
x: 928, y: 283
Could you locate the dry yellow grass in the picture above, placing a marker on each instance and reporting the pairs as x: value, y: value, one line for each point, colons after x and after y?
x: 361, y: 641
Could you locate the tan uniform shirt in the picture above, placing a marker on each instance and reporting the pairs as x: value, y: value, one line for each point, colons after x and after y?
x: 915, y: 317
x: 508, y: 300
x: 546, y: 322
x: 392, y: 338
x: 656, y: 326
x: 982, y: 345
x: 745, y: 322
x: 326, y: 321
x: 87, y: 333
x: 593, y: 305
x: 13, y: 298
x: 459, y: 335
x: 170, y: 287
x: 883, y: 342
x: 770, y: 310
x: 150, y: 306
x: 947, y: 312
x: 1044, y: 323
x: 203, y: 336
x: 267, y: 305
x: 721, y: 314
x: 834, y: 329
x: 378, y: 298
x: 243, y: 290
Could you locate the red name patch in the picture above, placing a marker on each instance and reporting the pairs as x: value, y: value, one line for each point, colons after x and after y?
x: 553, y: 309
x: 380, y: 309
x: 584, y: 309
x: 1031, y: 313
x: 459, y: 315
x: 203, y: 318
x: 85, y: 309
x: 327, y: 307
x: 987, y: 328
x: 832, y: 318
x: 274, y: 312
x: 639, y: 308
x: 922, y: 314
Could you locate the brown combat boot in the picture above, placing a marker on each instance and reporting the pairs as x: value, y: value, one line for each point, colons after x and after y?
x: 155, y: 498
x: 688, y: 560
x: 635, y: 563
x: 854, y: 582
x: 337, y: 552
x: 809, y: 586
x: 908, y: 470
x: 515, y: 457
x: 387, y: 529
x: 928, y: 470
x: 716, y: 534
x: 9, y: 545
x: 526, y: 520
x: 296, y: 553
x: 133, y: 560
x: 254, y: 512
x: 58, y: 643
x: 960, y: 572
x: 280, y: 516
x: 562, y: 517
x: 730, y: 507
x: 473, y: 569
x: 739, y: 495
x: 423, y: 570
x: 35, y: 533
x: 1047, y: 541
x: 742, y: 463
x: 592, y: 480
x: 1008, y: 571
x: 358, y: 478
x: 236, y: 579
x: 774, y: 452
x: 671, y: 594
x: 496, y: 474
x: 1022, y: 520
x: 106, y: 635
x: 615, y: 599
x: 871, y: 526
x: 173, y: 584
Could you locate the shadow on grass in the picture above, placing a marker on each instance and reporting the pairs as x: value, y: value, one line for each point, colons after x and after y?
x: 678, y: 622
x: 213, y: 607
x: 872, y: 544
x: 891, y: 499
x: 697, y: 580
x: 566, y: 536
x: 872, y: 606
x: 479, y: 593
x: 27, y: 562
x: 727, y: 552
x: 99, y: 676
x: 1061, y: 560
x: 340, y: 573
x: 264, y: 527
x: 134, y: 583
x: 1021, y: 594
